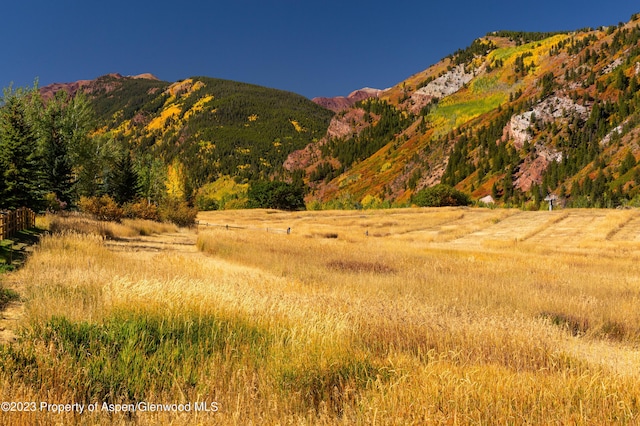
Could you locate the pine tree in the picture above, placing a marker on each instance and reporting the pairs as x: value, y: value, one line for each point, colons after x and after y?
x: 54, y: 142
x: 122, y: 180
x: 19, y: 162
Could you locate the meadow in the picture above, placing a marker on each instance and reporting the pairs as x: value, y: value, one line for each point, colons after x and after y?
x: 408, y: 316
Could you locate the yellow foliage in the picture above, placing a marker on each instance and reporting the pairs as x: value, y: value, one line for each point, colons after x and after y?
x: 369, y: 201
x: 175, y: 180
x: 297, y: 126
x: 206, y: 147
x: 159, y: 122
x: 253, y: 117
x: 198, y: 106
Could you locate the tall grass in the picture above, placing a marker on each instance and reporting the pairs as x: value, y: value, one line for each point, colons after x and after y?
x: 407, y: 327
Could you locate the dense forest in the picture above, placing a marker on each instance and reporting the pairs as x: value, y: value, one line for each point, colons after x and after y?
x: 123, y: 142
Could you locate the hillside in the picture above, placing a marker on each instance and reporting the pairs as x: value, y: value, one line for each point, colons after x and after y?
x: 514, y: 115
x: 204, y: 127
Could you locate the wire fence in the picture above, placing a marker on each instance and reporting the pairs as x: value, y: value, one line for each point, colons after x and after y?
x: 248, y: 228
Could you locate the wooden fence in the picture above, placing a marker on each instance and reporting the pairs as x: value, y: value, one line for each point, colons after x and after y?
x: 16, y: 220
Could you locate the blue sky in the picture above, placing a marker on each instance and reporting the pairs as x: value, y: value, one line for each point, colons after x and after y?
x: 314, y: 48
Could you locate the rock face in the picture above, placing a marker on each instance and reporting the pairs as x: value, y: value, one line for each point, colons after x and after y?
x: 342, y: 125
x: 554, y: 108
x: 48, y: 91
x: 445, y: 85
x: 341, y: 103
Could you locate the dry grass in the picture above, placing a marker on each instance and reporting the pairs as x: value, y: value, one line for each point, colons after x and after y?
x: 429, y: 316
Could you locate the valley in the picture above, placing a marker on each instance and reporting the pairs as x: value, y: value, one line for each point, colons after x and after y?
x: 417, y: 316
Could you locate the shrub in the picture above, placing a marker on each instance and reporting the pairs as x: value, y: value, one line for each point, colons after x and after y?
x: 141, y: 209
x: 441, y: 195
x: 276, y: 195
x: 179, y: 212
x: 102, y: 208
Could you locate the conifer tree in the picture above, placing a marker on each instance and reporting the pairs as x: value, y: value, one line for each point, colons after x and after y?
x: 55, y: 139
x: 19, y: 162
x: 122, y: 180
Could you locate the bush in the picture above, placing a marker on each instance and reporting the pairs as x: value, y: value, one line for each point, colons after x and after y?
x: 439, y: 196
x: 177, y: 211
x: 102, y: 208
x: 206, y: 203
x: 276, y: 195
x: 141, y: 209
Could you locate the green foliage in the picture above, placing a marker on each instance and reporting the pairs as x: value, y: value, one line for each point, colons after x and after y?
x: 523, y: 37
x: 121, y: 182
x: 224, y: 193
x: 19, y: 161
x: 628, y: 163
x: 115, y: 99
x: 391, y: 123
x: 250, y: 149
x: 478, y: 47
x: 439, y: 196
x: 492, y: 157
x: 130, y: 357
x: 55, y: 131
x: 276, y: 195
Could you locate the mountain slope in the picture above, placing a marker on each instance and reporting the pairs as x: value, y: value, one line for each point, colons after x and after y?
x: 207, y: 127
x: 515, y: 115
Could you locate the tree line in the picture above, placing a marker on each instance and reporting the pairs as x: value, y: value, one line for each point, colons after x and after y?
x: 52, y: 159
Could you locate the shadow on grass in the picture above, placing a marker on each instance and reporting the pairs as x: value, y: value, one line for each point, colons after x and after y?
x: 14, y: 250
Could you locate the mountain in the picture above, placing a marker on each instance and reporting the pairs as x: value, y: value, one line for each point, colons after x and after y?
x: 515, y: 115
x: 340, y: 103
x: 206, y: 127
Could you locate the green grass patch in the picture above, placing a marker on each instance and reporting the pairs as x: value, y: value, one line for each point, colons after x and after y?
x: 130, y: 356
x: 13, y: 251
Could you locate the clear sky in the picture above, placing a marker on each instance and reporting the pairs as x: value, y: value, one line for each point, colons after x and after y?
x: 311, y: 47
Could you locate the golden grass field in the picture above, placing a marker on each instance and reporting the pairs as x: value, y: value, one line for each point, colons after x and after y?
x: 413, y: 316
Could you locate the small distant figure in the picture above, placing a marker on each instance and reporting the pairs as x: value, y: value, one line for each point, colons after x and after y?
x: 227, y: 227
x: 366, y: 233
x: 288, y: 231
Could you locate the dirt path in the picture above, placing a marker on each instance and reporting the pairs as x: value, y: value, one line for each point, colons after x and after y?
x: 183, y: 242
x: 9, y: 319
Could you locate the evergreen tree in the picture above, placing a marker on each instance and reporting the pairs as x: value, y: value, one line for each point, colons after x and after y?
x: 55, y: 138
x: 276, y: 195
x: 19, y: 162
x: 122, y: 180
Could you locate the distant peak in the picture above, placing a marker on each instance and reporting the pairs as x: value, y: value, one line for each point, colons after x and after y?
x: 339, y: 103
x: 146, y: 76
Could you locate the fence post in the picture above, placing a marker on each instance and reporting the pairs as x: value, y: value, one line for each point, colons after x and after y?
x: 15, y: 221
x: 2, y: 225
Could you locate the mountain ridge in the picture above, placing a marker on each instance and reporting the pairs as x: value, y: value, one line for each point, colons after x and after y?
x: 514, y: 115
